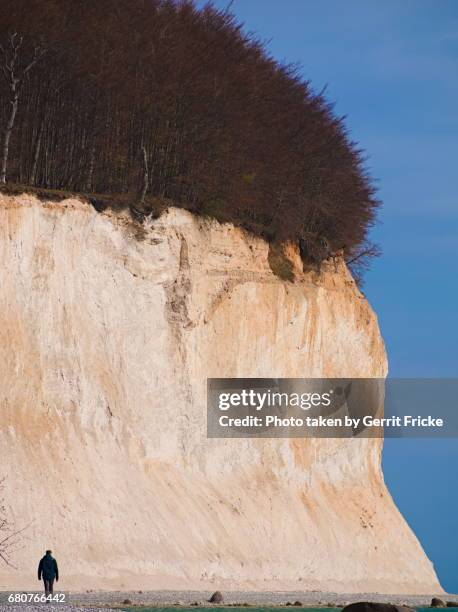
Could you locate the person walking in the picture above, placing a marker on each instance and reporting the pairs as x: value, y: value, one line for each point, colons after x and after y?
x: 49, y: 570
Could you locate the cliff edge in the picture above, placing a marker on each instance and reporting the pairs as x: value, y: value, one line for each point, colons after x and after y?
x: 107, y: 340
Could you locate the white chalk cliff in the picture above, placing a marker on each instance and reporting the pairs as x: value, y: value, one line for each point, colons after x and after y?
x: 106, y: 343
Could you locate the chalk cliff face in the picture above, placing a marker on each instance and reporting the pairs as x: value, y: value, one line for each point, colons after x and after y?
x: 106, y: 342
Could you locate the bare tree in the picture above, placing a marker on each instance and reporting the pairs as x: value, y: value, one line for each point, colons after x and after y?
x: 36, y: 153
x: 14, y: 75
x: 9, y: 536
x: 145, y: 177
x: 360, y: 260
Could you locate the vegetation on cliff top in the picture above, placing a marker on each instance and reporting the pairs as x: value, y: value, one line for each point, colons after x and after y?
x: 157, y: 98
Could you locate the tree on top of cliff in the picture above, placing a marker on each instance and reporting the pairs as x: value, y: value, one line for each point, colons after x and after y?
x: 228, y: 131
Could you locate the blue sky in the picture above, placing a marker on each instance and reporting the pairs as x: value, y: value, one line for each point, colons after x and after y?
x: 392, y: 68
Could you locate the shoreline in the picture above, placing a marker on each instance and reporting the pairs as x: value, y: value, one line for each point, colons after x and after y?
x: 325, y: 599
x: 113, y: 601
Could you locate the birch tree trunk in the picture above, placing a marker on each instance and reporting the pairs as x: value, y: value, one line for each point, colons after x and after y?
x: 145, y: 177
x: 14, y: 76
x: 36, y: 155
x: 6, y: 140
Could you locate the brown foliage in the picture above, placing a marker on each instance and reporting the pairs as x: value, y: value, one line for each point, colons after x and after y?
x: 228, y: 131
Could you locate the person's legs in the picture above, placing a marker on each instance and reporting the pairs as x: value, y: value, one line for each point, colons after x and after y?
x: 51, y: 583
x: 46, y: 584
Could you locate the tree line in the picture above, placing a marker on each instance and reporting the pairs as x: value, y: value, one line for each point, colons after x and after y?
x: 158, y: 97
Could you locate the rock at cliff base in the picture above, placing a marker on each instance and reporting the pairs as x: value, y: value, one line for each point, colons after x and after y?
x: 217, y: 597
x: 437, y: 603
x: 366, y: 606
x: 452, y: 604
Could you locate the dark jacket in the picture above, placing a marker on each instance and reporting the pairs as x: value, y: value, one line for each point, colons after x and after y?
x: 48, y: 568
